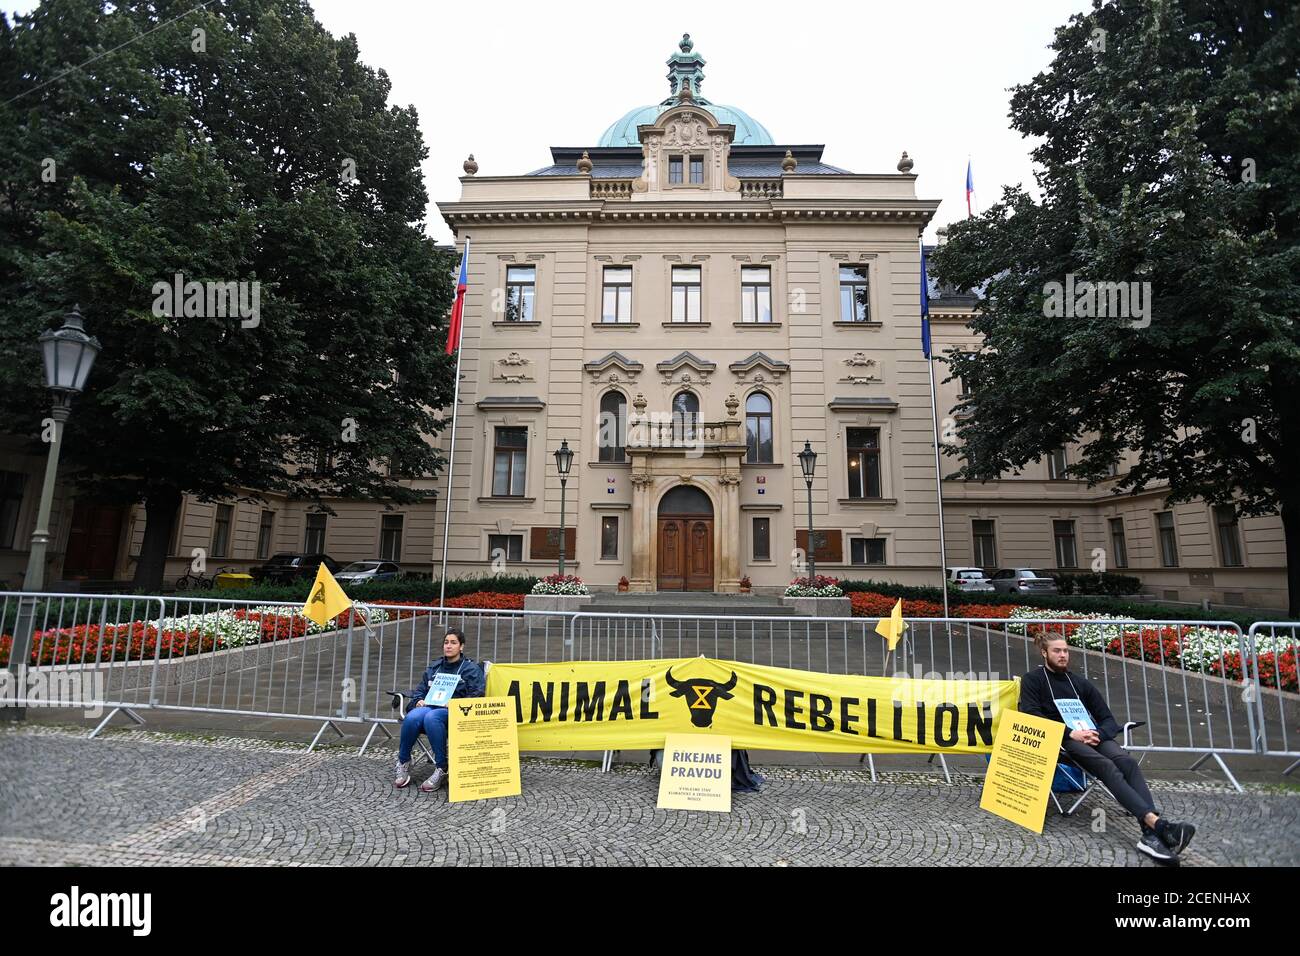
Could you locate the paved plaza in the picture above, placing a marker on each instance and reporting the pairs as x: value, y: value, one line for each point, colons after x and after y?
x: 141, y: 797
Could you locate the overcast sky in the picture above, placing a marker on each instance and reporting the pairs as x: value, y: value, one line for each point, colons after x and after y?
x: 505, y: 80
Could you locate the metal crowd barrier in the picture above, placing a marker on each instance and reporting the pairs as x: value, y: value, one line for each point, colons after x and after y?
x: 128, y: 654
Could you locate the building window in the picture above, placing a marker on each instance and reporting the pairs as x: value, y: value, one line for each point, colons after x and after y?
x: 855, y: 289
x: 221, y: 531
x: 686, y: 416
x: 674, y: 169
x: 521, y: 283
x: 1168, y: 539
x: 864, y: 462
x: 612, y: 439
x: 616, y: 297
x: 314, y: 541
x: 609, y: 538
x: 1066, y: 557
x: 510, y: 458
x: 11, y: 502
x: 390, y: 538
x: 755, y: 294
x: 1118, y: 547
x: 265, y: 528
x: 686, y: 293
x: 505, y: 547
x: 867, y: 550
x: 1225, y: 520
x: 697, y: 169
x: 758, y: 429
x: 1056, y: 464
x: 762, y: 539
x: 986, y: 545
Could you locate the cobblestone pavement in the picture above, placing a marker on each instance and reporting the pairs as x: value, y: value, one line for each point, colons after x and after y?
x: 142, y: 797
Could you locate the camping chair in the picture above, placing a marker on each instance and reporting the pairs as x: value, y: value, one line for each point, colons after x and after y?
x: 405, y: 701
x: 1071, y: 778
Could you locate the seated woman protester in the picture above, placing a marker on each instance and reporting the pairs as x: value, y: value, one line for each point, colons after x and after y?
x: 453, y: 675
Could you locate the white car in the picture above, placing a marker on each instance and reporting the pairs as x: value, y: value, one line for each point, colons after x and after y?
x: 360, y: 572
x: 969, y: 579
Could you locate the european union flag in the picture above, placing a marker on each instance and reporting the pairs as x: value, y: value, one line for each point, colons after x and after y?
x: 925, y: 306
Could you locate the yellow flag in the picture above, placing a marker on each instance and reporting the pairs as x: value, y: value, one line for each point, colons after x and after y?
x: 326, y: 599
x: 891, y: 628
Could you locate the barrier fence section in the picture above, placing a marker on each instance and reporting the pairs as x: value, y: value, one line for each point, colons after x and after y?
x: 1270, y: 660
x: 1200, y: 687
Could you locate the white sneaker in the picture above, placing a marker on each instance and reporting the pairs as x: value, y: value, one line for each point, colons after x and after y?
x: 436, y: 780
x: 403, y: 774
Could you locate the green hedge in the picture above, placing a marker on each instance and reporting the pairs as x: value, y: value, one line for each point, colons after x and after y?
x: 1095, y: 604
x: 409, y: 590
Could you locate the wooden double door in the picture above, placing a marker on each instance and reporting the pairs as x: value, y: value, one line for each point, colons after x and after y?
x: 685, y: 553
x: 93, y: 541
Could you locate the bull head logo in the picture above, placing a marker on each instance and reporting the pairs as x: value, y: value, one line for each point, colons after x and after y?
x: 702, y: 695
x: 465, y: 709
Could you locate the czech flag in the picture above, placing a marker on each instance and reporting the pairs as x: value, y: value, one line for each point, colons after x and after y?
x: 970, y: 188
x: 925, y: 306
x: 458, y: 310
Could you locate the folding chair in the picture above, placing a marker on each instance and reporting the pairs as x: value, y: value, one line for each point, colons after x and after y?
x: 1071, y: 778
x: 404, y: 701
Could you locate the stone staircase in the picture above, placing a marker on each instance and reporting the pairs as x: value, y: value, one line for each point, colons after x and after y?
x: 703, y: 603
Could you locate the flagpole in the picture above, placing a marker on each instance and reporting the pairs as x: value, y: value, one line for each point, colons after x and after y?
x: 938, y: 481
x: 451, y: 455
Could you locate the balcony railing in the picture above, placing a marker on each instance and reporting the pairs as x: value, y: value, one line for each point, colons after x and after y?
x: 760, y: 189
x: 680, y: 432
x: 613, y: 189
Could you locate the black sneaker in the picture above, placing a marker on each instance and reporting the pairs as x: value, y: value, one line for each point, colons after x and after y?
x: 1154, y: 847
x: 1177, y: 835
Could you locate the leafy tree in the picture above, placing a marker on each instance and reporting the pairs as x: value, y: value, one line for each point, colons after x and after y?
x: 260, y: 149
x: 1169, y: 154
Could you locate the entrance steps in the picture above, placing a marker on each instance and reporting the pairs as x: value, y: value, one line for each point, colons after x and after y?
x: 703, y: 603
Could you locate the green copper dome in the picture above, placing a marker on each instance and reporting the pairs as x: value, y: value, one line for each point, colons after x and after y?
x: 686, y: 69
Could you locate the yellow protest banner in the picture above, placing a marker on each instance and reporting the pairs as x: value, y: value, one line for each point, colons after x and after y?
x: 326, y: 599
x: 696, y: 773
x: 1019, y: 778
x: 633, y: 705
x: 483, y: 745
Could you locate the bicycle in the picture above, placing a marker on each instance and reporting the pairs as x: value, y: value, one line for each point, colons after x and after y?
x: 191, y: 580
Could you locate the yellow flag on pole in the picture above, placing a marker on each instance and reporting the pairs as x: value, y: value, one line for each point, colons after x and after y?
x: 326, y: 599
x: 891, y: 628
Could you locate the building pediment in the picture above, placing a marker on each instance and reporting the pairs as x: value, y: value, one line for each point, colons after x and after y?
x: 613, y: 367
x: 682, y: 136
x: 758, y: 367
x: 686, y: 367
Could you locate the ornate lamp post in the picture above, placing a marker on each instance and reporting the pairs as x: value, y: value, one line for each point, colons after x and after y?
x: 808, y: 462
x: 563, y: 462
x: 68, y: 353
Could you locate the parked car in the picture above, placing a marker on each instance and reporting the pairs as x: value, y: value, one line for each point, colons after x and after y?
x: 969, y: 579
x: 359, y: 572
x: 289, y: 567
x: 1023, y: 581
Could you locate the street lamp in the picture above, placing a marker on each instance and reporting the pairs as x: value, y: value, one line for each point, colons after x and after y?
x: 808, y: 462
x: 563, y: 462
x: 68, y: 353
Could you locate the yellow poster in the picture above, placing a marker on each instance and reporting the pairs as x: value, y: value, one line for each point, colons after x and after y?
x: 633, y: 705
x: 1019, y: 779
x: 696, y: 773
x: 484, y: 749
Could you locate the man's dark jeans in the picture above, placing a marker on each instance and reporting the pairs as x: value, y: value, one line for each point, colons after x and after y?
x: 1111, y: 764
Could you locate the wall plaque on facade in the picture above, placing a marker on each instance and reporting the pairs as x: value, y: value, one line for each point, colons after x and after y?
x: 545, y: 544
x: 829, y: 544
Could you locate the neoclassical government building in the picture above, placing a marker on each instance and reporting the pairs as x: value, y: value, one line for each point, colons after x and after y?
x: 687, y: 303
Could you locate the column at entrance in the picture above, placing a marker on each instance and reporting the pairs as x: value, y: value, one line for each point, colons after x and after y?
x: 643, y: 533
x: 729, y: 536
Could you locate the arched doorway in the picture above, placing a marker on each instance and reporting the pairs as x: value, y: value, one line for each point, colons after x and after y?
x: 685, y: 541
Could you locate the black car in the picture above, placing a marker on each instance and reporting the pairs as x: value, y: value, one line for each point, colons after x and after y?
x: 289, y: 567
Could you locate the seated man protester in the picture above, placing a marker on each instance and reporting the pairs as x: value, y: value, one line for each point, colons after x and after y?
x: 453, y: 675
x: 1051, y: 691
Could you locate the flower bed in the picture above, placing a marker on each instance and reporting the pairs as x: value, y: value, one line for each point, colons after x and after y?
x: 870, y: 604
x: 174, y: 636
x: 815, y: 587
x: 560, y: 584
